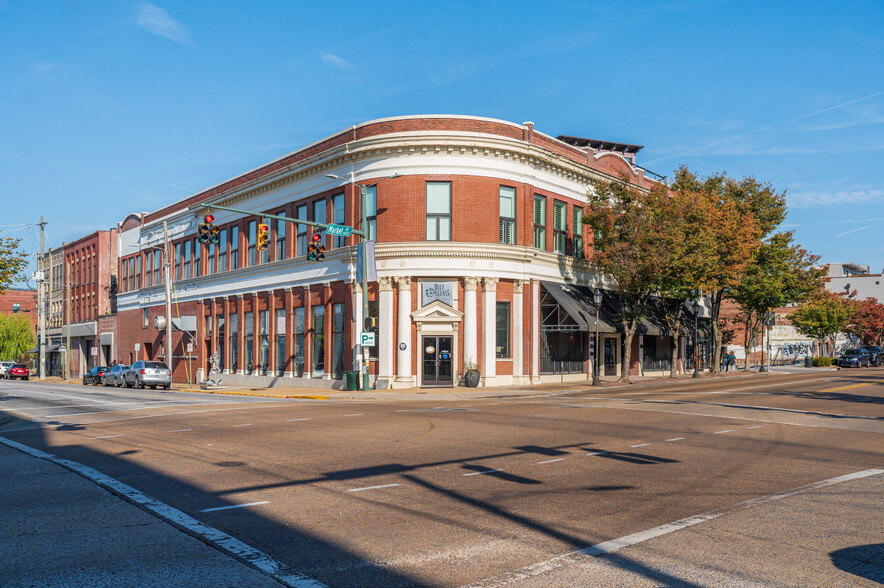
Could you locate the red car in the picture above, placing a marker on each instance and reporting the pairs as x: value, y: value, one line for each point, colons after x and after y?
x: 18, y: 370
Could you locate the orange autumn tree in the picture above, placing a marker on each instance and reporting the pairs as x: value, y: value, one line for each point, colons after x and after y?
x: 867, y: 321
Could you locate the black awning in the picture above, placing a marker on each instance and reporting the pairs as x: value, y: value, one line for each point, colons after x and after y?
x: 578, y: 302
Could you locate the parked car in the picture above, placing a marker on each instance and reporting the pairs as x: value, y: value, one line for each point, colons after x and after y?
x: 4, y: 367
x: 854, y: 358
x: 876, y: 354
x: 18, y: 370
x: 94, y: 375
x: 148, y: 373
x: 114, y: 376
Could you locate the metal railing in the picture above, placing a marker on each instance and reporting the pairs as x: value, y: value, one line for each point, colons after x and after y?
x: 657, y: 363
x: 559, y: 365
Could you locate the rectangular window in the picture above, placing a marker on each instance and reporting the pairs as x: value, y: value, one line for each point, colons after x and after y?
x: 318, y: 341
x: 507, y: 215
x: 338, y: 216
x: 371, y: 212
x: 145, y: 318
x: 249, y: 338
x: 302, y: 231
x: 281, y: 228
x: 210, y: 259
x: 250, y: 243
x: 234, y: 342
x: 264, y: 341
x: 234, y: 247
x: 338, y: 342
x: 280, y: 342
x: 197, y: 254
x: 560, y: 227
x: 132, y: 273
x: 299, y: 331
x: 138, y: 272
x: 502, y: 321
x: 185, y: 266
x: 539, y: 222
x: 148, y: 275
x: 222, y: 250
x: 179, y: 260
x: 577, y: 233
x: 438, y: 211
x: 156, y: 267
x: 319, y: 217
x: 220, y: 334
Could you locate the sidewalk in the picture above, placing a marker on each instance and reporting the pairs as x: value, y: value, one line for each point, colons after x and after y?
x: 461, y: 392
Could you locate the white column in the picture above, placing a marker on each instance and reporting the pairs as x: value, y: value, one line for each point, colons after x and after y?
x: 489, y: 331
x: 357, y: 324
x: 385, y: 328
x: 518, y: 334
x: 535, y: 332
x: 470, y: 352
x: 403, y: 334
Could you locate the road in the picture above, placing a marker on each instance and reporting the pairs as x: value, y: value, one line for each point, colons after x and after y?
x: 484, y: 492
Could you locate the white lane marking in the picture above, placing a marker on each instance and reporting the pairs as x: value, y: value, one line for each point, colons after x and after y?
x: 106, y: 437
x: 598, y: 453
x: 755, y: 427
x: 718, y: 416
x: 222, y: 541
x: 292, y: 420
x: 178, y: 430
x: 244, y: 425
x: 640, y: 445
x: 358, y: 414
x: 482, y: 472
x: 372, y: 487
x: 552, y: 460
x: 770, y: 385
x: 675, y: 439
x: 235, y: 506
x: 581, y: 555
x: 725, y: 431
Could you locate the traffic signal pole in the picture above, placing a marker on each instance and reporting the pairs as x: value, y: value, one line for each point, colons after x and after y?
x: 167, y: 274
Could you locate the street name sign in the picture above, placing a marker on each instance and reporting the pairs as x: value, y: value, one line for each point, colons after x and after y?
x: 339, y: 230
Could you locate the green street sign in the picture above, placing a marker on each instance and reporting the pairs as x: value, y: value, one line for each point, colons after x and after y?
x: 339, y: 230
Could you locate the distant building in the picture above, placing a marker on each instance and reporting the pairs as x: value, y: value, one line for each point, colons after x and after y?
x: 849, y: 277
x: 20, y: 301
x: 51, y: 264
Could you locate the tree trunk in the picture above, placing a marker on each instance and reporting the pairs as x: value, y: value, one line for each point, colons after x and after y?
x: 716, y: 331
x: 676, y: 356
x: 625, y: 366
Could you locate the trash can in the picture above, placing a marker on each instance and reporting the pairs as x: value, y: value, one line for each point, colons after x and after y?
x: 352, y: 381
x: 808, y: 361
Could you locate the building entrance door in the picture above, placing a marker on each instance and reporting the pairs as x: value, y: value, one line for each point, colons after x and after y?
x: 610, y: 357
x: 437, y: 361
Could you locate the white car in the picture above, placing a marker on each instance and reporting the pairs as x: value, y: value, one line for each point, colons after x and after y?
x: 4, y: 368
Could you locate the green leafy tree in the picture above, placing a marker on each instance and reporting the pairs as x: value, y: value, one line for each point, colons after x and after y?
x: 780, y: 272
x: 12, y: 262
x: 630, y: 248
x: 822, y: 316
x: 745, y: 212
x: 16, y: 337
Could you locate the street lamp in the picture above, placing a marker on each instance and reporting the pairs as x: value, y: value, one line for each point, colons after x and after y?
x: 363, y: 197
x: 596, y: 376
x: 696, y: 308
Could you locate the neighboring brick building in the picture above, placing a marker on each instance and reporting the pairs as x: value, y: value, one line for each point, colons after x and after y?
x: 90, y: 270
x: 52, y: 265
x: 480, y: 258
x: 20, y: 301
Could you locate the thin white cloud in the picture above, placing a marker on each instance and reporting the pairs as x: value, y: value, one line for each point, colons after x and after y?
x: 332, y: 59
x: 854, y: 230
x: 843, y: 196
x: 157, y: 21
x: 46, y: 66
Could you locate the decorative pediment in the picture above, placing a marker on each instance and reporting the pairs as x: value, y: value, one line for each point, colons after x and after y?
x: 437, y: 312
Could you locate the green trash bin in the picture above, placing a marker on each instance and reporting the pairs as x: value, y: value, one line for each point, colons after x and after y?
x: 808, y: 361
x: 352, y: 381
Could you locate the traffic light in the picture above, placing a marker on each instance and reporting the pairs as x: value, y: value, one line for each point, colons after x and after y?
x: 263, y: 237
x: 315, y: 251
x: 214, y: 236
x: 207, y: 232
x: 370, y: 323
x: 203, y: 233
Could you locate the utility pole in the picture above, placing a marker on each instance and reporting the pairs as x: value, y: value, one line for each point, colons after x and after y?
x: 42, y: 302
x: 67, y: 299
x: 167, y: 274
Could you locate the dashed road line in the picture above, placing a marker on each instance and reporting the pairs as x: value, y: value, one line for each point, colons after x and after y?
x: 845, y: 387
x: 481, y: 473
x: 244, y: 425
x: 354, y: 415
x: 598, y: 453
x: 725, y: 431
x: 372, y: 487
x: 552, y: 460
x: 180, y: 430
x: 755, y: 427
x: 293, y: 420
x: 674, y: 439
x: 640, y: 445
x: 235, y: 506
x: 106, y: 437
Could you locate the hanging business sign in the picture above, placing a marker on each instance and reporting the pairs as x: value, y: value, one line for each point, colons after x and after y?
x: 442, y: 291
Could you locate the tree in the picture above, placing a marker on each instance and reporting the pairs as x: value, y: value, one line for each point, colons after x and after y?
x: 822, y: 316
x: 780, y: 272
x: 745, y: 212
x: 12, y: 262
x: 16, y: 336
x: 630, y: 248
x: 867, y: 321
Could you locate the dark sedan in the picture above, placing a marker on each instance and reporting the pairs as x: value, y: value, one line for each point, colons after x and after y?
x: 854, y: 358
x: 94, y: 376
x: 876, y: 354
x: 18, y: 370
x: 114, y: 376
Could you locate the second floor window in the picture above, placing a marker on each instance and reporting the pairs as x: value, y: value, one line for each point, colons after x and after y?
x: 577, y: 234
x: 302, y: 231
x: 281, y: 228
x: 234, y: 247
x: 156, y: 267
x: 222, y: 250
x: 338, y: 211
x: 197, y: 254
x: 371, y: 212
x: 179, y: 259
x: 560, y: 227
x: 250, y: 242
x: 147, y: 276
x: 319, y: 217
x: 185, y: 266
x: 438, y: 211
x: 539, y: 222
x: 507, y: 215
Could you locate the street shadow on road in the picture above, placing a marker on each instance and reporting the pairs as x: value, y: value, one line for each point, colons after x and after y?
x: 865, y: 561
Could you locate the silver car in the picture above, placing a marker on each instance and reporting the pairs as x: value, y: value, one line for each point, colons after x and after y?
x: 4, y: 368
x: 114, y: 376
x: 148, y: 373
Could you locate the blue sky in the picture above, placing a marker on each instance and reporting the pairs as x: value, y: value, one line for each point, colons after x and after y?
x: 111, y: 107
